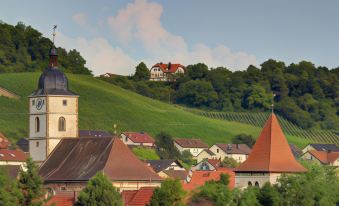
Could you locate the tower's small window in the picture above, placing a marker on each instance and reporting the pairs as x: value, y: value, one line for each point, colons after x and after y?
x: 249, y: 183
x: 64, y: 102
x: 256, y: 184
x: 217, y: 150
x: 37, y: 144
x: 62, y: 124
x: 33, y: 102
x: 37, y: 124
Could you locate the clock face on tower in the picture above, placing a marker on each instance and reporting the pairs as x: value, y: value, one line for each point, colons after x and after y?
x: 39, y: 103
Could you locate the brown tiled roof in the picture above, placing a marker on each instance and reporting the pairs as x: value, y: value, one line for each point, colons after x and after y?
x: 139, y: 137
x: 190, y: 143
x: 235, y: 148
x: 176, y: 174
x: 3, y: 141
x: 324, y: 156
x: 12, y: 155
x: 271, y: 152
x: 165, y: 69
x: 139, y: 197
x: 79, y: 159
x: 160, y: 165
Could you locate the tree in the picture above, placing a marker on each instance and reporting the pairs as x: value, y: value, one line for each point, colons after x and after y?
x: 229, y: 162
x: 216, y: 192
x: 169, y: 194
x: 165, y: 146
x: 10, y: 195
x: 187, y: 158
x: 197, y: 93
x: 99, y: 191
x: 249, y: 197
x: 197, y: 71
x: 30, y: 184
x: 141, y: 72
x: 244, y: 139
x: 269, y: 196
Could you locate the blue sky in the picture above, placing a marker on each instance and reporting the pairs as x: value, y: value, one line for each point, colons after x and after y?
x: 115, y: 35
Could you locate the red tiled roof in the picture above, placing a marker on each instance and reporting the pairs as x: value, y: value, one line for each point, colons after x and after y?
x: 200, y: 177
x: 139, y: 137
x: 214, y: 162
x: 324, y: 156
x: 190, y: 143
x: 12, y: 155
x: 3, y: 141
x: 139, y: 197
x: 62, y: 199
x: 176, y: 174
x: 271, y: 152
x: 164, y: 67
x: 235, y: 148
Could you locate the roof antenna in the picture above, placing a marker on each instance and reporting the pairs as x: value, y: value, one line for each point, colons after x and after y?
x: 273, y: 95
x: 54, y: 28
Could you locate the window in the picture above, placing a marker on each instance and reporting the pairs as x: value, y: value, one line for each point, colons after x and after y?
x: 64, y: 102
x: 249, y: 183
x: 36, y: 144
x: 126, y: 139
x: 33, y: 102
x: 37, y: 124
x: 62, y: 124
x: 256, y: 184
x: 217, y: 150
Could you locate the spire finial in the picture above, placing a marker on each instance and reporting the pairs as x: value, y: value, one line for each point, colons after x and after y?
x: 273, y: 95
x: 54, y: 28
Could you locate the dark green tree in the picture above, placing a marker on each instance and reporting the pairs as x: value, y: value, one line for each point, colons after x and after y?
x: 244, y: 139
x: 165, y: 146
x: 249, y: 197
x: 197, y: 71
x: 269, y: 196
x: 141, y: 72
x: 229, y: 162
x: 30, y: 183
x: 99, y: 191
x: 169, y: 194
x: 187, y: 158
x: 10, y: 194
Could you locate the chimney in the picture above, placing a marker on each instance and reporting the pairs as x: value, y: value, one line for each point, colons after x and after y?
x: 169, y: 66
x: 229, y: 147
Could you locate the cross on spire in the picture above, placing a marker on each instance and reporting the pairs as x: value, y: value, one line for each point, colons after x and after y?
x: 54, y: 28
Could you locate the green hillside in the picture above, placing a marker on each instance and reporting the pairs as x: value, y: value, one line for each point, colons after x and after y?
x: 102, y: 104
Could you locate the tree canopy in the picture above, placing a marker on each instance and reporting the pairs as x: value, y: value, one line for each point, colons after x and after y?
x: 170, y: 193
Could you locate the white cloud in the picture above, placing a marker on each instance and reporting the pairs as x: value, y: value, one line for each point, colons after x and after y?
x: 80, y: 18
x: 140, y: 22
x: 101, y: 57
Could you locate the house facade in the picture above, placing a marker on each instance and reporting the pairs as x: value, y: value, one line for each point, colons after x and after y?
x: 194, y: 146
x: 137, y: 139
x: 322, y: 157
x: 271, y: 156
x: 166, y: 72
x: 321, y: 147
x: 205, y: 154
x: 239, y: 152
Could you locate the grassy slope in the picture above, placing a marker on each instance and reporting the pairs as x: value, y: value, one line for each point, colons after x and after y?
x: 102, y: 104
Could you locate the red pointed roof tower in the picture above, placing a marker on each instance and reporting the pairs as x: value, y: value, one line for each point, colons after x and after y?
x: 271, y: 152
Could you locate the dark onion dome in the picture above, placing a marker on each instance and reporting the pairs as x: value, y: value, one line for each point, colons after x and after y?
x: 52, y: 81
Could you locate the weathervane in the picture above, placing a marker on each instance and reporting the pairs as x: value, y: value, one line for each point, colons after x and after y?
x: 273, y: 95
x: 54, y: 28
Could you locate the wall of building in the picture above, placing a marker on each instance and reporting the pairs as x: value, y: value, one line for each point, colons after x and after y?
x: 242, y: 179
x: 307, y: 148
x: 194, y: 151
x: 37, y: 149
x: 308, y: 156
x: 221, y: 154
x: 204, y: 155
x: 157, y: 74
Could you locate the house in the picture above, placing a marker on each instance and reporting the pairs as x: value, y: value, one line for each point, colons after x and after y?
x: 206, y: 154
x: 168, y: 168
x: 76, y: 160
x: 196, y: 179
x: 322, y: 157
x: 94, y: 133
x: 207, y: 165
x: 22, y: 143
x: 321, y: 147
x: 8, y: 156
x: 194, y: 146
x: 239, y: 152
x: 137, y: 197
x: 166, y: 72
x: 271, y: 157
x: 137, y: 139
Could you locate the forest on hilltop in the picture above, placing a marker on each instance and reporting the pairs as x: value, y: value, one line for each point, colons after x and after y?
x: 24, y: 49
x: 304, y: 94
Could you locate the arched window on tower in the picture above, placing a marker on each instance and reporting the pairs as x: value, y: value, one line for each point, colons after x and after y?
x: 37, y: 124
x: 249, y: 183
x: 256, y: 184
x: 62, y: 124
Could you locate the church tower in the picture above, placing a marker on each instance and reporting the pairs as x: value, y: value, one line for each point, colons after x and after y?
x: 53, y: 111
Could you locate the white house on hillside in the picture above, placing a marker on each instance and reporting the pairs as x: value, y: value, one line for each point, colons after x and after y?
x: 239, y: 152
x: 195, y: 146
x: 166, y: 72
